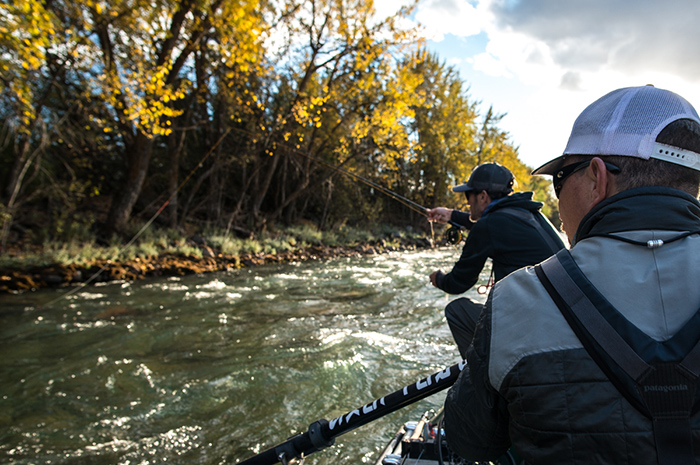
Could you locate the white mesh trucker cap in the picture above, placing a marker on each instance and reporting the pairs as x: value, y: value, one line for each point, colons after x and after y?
x: 627, y: 122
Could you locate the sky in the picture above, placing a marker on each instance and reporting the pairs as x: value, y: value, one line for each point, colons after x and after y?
x: 541, y: 62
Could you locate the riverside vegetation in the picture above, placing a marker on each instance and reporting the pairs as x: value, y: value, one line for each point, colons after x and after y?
x: 26, y: 267
x: 230, y: 116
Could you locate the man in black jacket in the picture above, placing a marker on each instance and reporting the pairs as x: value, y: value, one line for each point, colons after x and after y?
x: 504, y: 226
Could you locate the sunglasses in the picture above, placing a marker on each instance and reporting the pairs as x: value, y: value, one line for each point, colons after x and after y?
x: 561, y: 175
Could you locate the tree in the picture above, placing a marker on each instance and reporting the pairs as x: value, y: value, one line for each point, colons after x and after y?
x: 134, y: 61
x: 144, y: 67
x: 240, y: 112
x: 334, y: 92
x: 26, y: 32
x: 445, y: 125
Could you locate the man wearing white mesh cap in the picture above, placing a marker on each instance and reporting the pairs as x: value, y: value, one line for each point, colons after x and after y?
x: 593, y: 356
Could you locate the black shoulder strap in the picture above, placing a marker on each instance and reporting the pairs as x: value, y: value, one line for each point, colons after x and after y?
x: 530, y: 219
x: 664, y: 392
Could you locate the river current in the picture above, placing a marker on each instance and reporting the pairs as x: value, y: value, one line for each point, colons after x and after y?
x: 212, y: 369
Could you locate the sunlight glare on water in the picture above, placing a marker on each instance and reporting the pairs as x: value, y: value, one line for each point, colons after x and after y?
x: 215, y: 368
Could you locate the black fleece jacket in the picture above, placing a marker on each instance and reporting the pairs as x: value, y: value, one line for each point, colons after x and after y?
x: 511, y: 241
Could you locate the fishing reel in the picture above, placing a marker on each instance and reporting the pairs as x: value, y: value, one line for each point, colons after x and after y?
x: 454, y: 235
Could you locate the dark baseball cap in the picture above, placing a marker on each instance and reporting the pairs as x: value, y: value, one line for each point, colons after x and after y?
x: 490, y: 177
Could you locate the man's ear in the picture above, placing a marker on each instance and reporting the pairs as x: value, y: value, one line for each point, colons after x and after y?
x: 601, y: 187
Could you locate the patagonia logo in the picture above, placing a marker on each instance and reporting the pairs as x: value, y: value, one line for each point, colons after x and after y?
x: 666, y: 388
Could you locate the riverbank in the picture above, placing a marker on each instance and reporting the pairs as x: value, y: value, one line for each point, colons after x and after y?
x: 208, y: 259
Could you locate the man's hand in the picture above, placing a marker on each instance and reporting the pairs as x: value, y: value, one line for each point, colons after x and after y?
x: 440, y: 214
x: 433, y: 277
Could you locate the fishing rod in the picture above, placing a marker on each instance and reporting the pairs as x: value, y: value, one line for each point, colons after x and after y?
x: 322, y: 433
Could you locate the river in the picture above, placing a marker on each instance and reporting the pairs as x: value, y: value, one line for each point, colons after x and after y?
x: 212, y: 369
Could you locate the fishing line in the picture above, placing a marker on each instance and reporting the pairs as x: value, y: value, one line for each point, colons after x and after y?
x: 143, y: 229
x: 454, y: 234
x: 401, y: 199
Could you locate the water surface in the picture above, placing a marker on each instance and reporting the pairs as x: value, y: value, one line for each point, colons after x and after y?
x: 214, y: 368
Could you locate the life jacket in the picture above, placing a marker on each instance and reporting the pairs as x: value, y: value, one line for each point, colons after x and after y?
x: 660, y: 379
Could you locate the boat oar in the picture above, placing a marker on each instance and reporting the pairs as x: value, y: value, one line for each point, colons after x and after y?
x: 322, y: 433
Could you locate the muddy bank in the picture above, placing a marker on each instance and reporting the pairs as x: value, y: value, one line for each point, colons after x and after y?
x: 18, y: 281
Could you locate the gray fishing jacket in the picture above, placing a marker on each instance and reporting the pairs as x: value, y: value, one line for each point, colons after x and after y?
x: 530, y: 382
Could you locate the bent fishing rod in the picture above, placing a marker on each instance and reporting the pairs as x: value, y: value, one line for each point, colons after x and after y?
x: 322, y: 433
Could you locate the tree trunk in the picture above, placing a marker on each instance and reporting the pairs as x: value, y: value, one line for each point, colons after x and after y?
x: 19, y: 168
x: 176, y: 142
x: 174, y: 147
x: 214, y: 207
x: 329, y: 192
x: 265, y: 186
x: 138, y: 156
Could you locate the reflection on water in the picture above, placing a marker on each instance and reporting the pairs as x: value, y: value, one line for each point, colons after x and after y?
x: 212, y: 369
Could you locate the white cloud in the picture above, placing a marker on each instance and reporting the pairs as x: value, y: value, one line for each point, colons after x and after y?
x: 609, y: 35
x: 385, y: 8
x: 574, y: 37
x: 457, y: 17
x: 543, y: 61
x: 571, y: 80
x: 490, y: 65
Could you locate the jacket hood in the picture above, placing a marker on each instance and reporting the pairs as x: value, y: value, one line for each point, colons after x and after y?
x: 518, y: 200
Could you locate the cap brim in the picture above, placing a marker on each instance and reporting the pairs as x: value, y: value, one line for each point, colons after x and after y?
x: 550, y: 167
x: 462, y: 188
